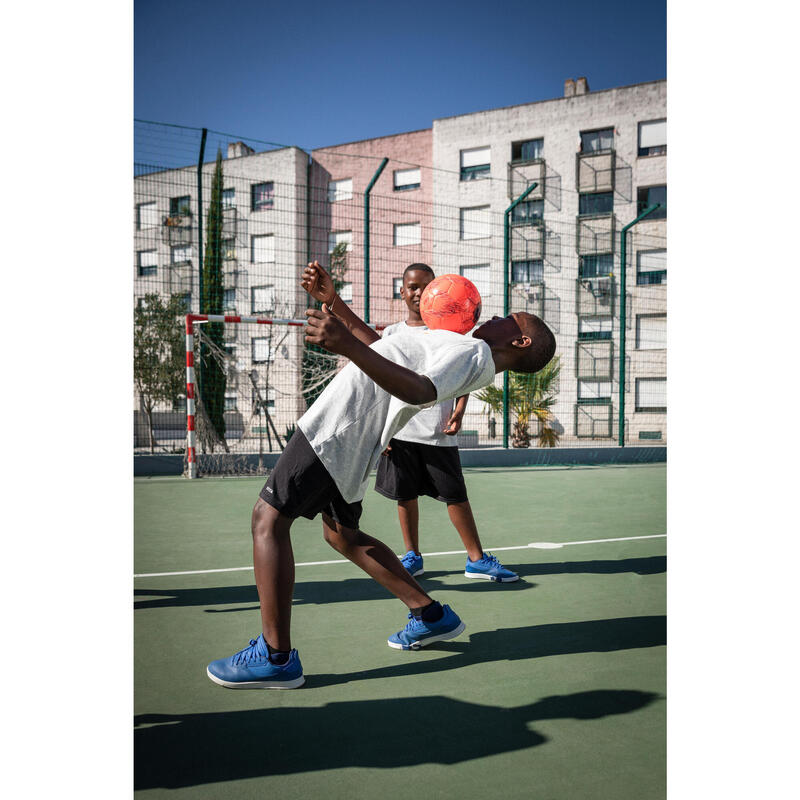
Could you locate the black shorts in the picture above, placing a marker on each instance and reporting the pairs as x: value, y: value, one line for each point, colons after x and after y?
x: 410, y: 469
x: 300, y: 486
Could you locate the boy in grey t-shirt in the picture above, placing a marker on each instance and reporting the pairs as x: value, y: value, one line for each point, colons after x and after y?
x: 325, y: 466
x: 422, y: 458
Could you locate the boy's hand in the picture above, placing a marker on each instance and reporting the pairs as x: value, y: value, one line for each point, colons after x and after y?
x: 316, y: 281
x: 453, y: 424
x: 325, y: 330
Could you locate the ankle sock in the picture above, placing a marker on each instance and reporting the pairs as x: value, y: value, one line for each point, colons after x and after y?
x: 432, y: 612
x: 278, y: 657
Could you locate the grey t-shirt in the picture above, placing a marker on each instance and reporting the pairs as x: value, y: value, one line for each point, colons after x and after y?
x: 353, y: 420
x: 427, y: 427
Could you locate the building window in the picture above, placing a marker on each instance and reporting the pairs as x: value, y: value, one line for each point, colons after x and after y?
x: 647, y: 196
x: 262, y: 353
x: 397, y: 285
x: 475, y: 222
x: 528, y: 212
x: 261, y: 195
x: 594, y: 392
x: 186, y: 302
x: 479, y: 274
x: 229, y: 198
x: 147, y: 262
x: 146, y: 215
x: 653, y: 138
x: 337, y: 237
x: 405, y: 179
x: 179, y: 404
x: 262, y: 249
x: 599, y: 203
x: 596, y: 265
x: 262, y: 299
x: 651, y: 394
x: 651, y: 331
x: 180, y: 254
x: 340, y: 190
x: 268, y: 402
x: 529, y: 150
x: 229, y: 300
x: 527, y: 271
x: 651, y: 267
x: 594, y: 328
x: 180, y: 206
x: 597, y: 141
x: 230, y: 402
x: 407, y: 233
x: 228, y: 249
x: 475, y: 164
x: 346, y: 292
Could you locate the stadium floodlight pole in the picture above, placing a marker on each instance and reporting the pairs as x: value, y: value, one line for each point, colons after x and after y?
x: 366, y: 236
x: 623, y: 309
x: 506, y: 281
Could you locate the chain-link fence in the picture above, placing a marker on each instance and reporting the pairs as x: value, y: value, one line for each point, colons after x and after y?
x: 557, y: 254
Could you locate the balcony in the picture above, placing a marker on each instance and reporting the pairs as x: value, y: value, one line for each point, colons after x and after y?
x: 595, y: 234
x: 527, y: 241
x: 594, y: 297
x: 177, y: 229
x: 594, y: 171
x: 594, y: 360
x: 593, y: 421
x: 181, y: 277
x: 230, y: 274
x: 521, y: 174
x: 532, y: 296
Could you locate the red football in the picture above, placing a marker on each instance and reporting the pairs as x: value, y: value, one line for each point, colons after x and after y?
x: 450, y: 303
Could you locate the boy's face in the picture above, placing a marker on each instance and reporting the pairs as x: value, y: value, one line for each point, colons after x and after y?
x: 414, y: 281
x: 499, y: 330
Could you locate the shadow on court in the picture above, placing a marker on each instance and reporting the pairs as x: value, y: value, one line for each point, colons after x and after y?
x: 512, y: 644
x: 178, y: 750
x: 355, y: 589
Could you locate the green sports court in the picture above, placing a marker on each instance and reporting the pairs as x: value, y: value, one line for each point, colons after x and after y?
x: 557, y: 688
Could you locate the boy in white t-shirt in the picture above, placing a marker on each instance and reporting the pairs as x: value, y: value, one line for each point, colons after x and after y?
x: 423, y: 459
x: 326, y: 464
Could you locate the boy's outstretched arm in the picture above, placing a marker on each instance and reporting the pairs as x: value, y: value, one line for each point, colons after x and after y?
x: 327, y: 331
x: 319, y: 284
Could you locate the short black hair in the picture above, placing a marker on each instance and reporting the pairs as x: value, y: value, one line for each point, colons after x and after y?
x: 542, y: 349
x: 421, y: 267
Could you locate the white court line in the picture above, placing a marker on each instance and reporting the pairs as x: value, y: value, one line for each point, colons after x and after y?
x: 536, y: 545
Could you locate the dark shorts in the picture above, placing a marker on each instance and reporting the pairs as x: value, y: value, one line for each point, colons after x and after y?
x: 300, y: 486
x: 410, y: 469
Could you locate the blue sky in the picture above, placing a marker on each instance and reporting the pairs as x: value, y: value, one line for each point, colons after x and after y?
x: 320, y: 73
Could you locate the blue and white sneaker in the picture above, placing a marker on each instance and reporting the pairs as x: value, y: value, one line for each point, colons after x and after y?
x: 418, y: 633
x: 489, y: 568
x: 251, y: 669
x: 413, y: 563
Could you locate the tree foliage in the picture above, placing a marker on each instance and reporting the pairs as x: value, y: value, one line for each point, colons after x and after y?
x: 530, y: 398
x: 159, y: 353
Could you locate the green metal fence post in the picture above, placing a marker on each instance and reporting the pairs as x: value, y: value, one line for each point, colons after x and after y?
x: 200, y: 217
x: 366, y: 236
x: 506, y: 284
x: 623, y: 310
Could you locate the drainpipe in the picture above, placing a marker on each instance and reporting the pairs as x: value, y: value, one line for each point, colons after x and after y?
x: 506, y: 297
x: 623, y: 321
x: 366, y: 236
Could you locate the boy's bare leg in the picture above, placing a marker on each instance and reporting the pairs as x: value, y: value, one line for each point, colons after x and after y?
x: 273, y: 562
x: 461, y: 517
x: 408, y: 512
x: 376, y: 559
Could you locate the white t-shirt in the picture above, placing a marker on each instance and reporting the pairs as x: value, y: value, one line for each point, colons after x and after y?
x: 353, y: 419
x: 427, y: 427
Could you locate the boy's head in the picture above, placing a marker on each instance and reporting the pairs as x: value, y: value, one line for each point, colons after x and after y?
x: 521, y: 342
x: 415, y: 278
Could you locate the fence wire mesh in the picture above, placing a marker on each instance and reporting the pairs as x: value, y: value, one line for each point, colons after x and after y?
x: 280, y: 207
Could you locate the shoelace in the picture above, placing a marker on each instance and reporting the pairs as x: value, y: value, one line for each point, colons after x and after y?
x: 407, y: 559
x: 413, y: 623
x: 490, y: 559
x: 248, y: 654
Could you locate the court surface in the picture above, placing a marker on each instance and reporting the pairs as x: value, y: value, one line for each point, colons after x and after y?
x: 555, y: 690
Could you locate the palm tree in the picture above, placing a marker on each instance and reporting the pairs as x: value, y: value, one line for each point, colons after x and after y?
x: 529, y: 397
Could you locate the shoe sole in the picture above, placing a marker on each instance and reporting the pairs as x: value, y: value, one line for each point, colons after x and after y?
x: 414, y: 574
x: 292, y: 684
x: 439, y: 637
x: 481, y: 576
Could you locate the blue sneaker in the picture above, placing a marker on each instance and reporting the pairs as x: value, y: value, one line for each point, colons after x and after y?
x: 413, y: 563
x: 251, y: 669
x: 489, y: 568
x: 418, y: 633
